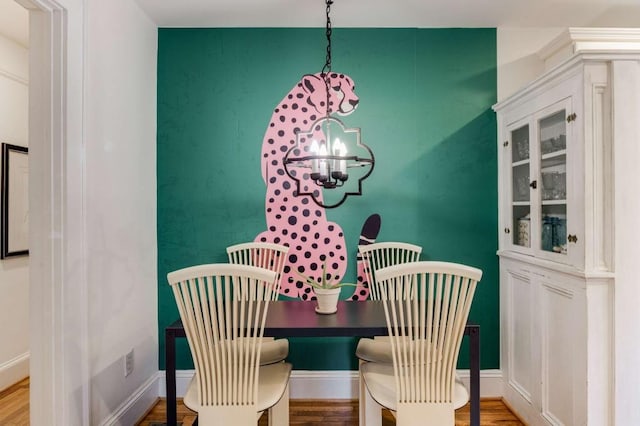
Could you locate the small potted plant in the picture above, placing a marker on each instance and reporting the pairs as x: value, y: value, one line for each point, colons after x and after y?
x: 327, y: 291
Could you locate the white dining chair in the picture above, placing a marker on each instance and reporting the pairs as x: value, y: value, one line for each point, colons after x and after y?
x: 264, y: 255
x: 223, y: 308
x: 272, y: 257
x: 383, y: 254
x: 426, y: 307
x: 375, y: 257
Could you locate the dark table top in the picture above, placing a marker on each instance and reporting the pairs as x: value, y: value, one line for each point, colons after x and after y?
x: 296, y: 318
x: 299, y: 319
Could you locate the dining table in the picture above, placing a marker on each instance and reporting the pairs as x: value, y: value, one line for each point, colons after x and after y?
x: 296, y: 318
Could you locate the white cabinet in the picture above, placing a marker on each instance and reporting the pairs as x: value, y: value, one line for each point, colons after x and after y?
x: 565, y: 227
x: 540, y: 151
x: 544, y: 345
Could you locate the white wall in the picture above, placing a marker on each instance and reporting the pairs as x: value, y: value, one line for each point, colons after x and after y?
x: 626, y: 151
x: 120, y: 191
x: 518, y: 62
x: 14, y: 272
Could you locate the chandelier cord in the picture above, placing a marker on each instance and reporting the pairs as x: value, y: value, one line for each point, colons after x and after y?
x: 326, y: 69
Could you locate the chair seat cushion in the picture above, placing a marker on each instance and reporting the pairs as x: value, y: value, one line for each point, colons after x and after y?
x: 273, y: 350
x: 381, y: 384
x: 272, y: 383
x: 375, y: 350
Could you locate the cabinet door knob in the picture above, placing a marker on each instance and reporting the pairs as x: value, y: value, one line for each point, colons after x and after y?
x: 534, y: 184
x: 572, y: 238
x: 507, y: 230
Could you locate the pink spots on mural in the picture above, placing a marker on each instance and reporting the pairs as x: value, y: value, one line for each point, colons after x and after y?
x: 298, y: 222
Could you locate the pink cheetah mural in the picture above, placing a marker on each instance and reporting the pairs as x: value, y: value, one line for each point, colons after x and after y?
x: 298, y: 222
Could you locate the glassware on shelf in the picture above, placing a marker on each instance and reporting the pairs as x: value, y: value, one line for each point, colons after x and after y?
x: 524, y: 231
x: 523, y: 149
x: 553, y: 144
x: 553, y: 133
x: 520, y: 140
x: 560, y: 235
x: 547, y: 186
x: 521, y: 220
x: 522, y: 188
x: 521, y: 183
x: 554, y: 185
x: 547, y: 235
x: 554, y: 234
x: 559, y: 186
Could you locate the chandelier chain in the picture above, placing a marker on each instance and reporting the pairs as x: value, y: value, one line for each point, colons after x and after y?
x: 326, y: 69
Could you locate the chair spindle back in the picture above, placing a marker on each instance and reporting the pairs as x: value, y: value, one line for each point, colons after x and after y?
x: 426, y: 305
x: 223, y: 309
x: 264, y: 255
x: 384, y: 254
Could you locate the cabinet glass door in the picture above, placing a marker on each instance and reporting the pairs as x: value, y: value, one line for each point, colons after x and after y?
x: 521, y: 195
x: 552, y: 138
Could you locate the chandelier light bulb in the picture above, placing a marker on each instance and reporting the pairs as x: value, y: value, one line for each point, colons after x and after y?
x: 315, y: 168
x: 323, y: 161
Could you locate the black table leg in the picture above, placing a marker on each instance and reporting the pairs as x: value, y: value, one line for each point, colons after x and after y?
x: 474, y: 374
x: 170, y: 359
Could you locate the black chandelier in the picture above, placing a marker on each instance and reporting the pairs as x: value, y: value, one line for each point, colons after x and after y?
x: 329, y: 160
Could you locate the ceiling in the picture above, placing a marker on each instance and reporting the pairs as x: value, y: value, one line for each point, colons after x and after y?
x: 365, y: 13
x: 393, y: 13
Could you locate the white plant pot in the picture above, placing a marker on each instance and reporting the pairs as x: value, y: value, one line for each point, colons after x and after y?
x: 327, y: 300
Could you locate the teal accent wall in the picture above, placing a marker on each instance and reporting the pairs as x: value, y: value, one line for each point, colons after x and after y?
x: 425, y: 111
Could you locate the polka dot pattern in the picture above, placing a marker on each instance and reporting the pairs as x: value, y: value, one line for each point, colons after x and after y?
x: 298, y: 222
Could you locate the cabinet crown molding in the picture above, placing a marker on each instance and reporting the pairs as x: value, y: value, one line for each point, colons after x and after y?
x: 584, y: 40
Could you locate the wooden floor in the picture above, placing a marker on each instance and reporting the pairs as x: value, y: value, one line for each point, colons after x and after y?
x: 14, y: 404
x: 342, y: 412
x: 14, y: 411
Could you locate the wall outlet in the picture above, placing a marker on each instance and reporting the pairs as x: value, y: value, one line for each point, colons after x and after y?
x: 128, y: 363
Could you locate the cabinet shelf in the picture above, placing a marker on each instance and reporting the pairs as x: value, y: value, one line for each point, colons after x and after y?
x: 554, y: 154
x: 520, y: 163
x: 553, y: 202
x: 554, y: 162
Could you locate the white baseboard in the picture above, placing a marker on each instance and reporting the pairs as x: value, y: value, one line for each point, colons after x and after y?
x: 137, y: 404
x: 183, y: 377
x: 14, y: 370
x: 338, y: 384
x: 490, y: 382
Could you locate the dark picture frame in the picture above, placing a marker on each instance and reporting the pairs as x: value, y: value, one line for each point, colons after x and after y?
x: 15, y: 201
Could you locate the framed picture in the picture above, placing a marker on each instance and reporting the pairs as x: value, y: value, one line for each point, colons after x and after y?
x: 15, y: 201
